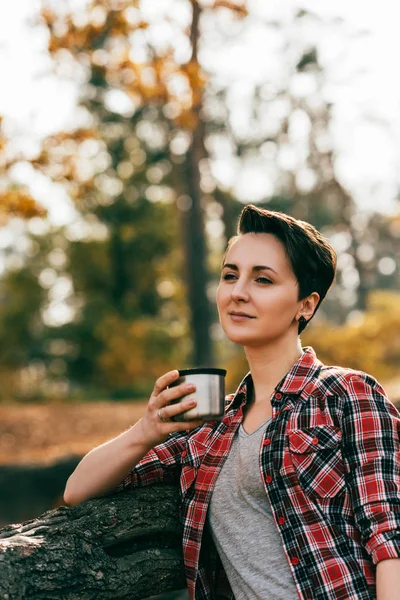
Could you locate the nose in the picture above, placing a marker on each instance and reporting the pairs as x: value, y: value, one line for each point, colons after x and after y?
x: 239, y: 291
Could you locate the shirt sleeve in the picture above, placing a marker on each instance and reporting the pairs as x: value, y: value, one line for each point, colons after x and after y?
x: 161, y: 463
x: 371, y: 453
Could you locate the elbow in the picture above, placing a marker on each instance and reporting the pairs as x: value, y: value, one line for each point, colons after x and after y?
x: 69, y: 497
x: 71, y: 500
x: 73, y: 497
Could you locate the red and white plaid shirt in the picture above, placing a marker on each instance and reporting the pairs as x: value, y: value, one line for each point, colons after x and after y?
x: 330, y: 462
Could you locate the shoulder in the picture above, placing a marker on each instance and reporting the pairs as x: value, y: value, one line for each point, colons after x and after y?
x: 343, y: 381
x: 354, y: 393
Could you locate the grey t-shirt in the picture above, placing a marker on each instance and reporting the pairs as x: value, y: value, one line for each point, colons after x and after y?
x: 243, y: 527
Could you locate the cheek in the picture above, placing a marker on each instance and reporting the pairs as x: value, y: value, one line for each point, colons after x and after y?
x: 221, y: 296
x: 281, y: 302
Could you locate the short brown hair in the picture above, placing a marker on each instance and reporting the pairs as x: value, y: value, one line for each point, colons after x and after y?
x: 312, y: 258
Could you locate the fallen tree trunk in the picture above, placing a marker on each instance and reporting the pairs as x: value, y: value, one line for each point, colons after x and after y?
x: 124, y: 546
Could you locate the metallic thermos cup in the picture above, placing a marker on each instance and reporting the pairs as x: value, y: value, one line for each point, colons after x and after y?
x: 209, y: 393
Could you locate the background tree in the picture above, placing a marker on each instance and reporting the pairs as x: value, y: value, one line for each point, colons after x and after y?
x: 156, y: 127
x: 147, y: 114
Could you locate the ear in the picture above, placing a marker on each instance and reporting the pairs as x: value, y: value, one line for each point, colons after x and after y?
x: 307, y: 306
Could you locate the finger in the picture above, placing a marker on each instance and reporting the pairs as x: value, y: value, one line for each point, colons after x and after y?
x: 164, y: 381
x: 171, y: 410
x: 174, y: 393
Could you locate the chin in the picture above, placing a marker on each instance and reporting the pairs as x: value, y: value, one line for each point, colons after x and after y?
x: 241, y: 338
x: 249, y: 339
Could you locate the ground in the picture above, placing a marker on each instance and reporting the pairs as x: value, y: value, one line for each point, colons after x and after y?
x: 42, y: 433
x: 45, y: 432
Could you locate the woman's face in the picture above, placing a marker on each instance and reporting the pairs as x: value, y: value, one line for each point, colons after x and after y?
x: 257, y: 297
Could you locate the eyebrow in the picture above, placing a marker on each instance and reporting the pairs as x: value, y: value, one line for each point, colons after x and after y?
x: 255, y: 268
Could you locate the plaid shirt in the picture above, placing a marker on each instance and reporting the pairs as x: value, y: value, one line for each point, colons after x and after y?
x: 330, y: 461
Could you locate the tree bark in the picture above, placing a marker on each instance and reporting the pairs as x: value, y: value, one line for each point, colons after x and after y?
x: 124, y: 546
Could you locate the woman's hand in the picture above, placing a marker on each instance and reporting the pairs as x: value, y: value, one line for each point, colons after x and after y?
x: 156, y: 424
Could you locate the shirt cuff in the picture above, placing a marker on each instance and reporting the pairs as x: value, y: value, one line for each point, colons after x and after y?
x: 388, y: 549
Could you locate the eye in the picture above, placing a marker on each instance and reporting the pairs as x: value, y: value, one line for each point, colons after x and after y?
x: 263, y: 280
x: 228, y: 276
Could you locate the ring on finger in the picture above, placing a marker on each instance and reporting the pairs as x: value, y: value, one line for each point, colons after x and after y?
x: 160, y: 415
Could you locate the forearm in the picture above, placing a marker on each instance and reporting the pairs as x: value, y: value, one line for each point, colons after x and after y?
x: 104, y: 467
x: 388, y: 579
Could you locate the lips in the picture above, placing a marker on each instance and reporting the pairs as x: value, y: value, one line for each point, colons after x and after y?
x: 240, y: 314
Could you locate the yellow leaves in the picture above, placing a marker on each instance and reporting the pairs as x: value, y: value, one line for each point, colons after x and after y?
x: 164, y: 82
x: 371, y: 344
x: 107, y: 42
x: 382, y: 301
x: 2, y: 138
x: 17, y: 202
x: 136, y: 352
x: 86, y: 30
x: 187, y: 120
x: 237, y: 8
x: 196, y: 80
x: 62, y: 159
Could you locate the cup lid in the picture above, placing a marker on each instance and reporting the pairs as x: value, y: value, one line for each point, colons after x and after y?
x: 202, y: 371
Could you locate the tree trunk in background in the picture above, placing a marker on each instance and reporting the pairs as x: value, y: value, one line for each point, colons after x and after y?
x: 194, y: 229
x: 122, y: 547
x: 196, y: 257
x: 231, y: 212
x: 117, y: 260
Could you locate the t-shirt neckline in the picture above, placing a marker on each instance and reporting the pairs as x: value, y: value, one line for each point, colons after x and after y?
x: 244, y: 432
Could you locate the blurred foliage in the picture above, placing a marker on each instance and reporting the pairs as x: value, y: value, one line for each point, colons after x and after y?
x: 120, y: 322
x: 15, y: 200
x: 371, y: 343
x: 137, y: 351
x: 104, y: 305
x: 145, y: 133
x: 19, y: 329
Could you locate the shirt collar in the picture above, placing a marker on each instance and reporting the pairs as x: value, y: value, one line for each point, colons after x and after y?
x: 295, y: 381
x: 301, y: 374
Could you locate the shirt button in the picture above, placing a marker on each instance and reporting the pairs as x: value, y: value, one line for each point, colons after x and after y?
x: 268, y: 479
x: 267, y: 442
x: 278, y: 396
x: 281, y: 520
x: 184, y: 453
x: 315, y: 441
x: 295, y: 561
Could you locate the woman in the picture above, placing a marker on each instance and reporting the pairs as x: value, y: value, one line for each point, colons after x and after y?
x: 296, y: 491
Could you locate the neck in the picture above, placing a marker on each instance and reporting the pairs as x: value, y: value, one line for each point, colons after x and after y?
x: 268, y: 365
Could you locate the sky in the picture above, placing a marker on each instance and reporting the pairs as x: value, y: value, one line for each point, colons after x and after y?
x: 362, y: 84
